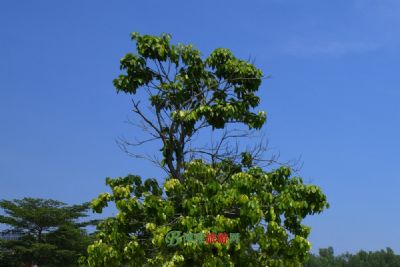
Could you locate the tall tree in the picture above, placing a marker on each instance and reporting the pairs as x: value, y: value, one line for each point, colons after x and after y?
x: 46, y: 232
x: 255, y: 215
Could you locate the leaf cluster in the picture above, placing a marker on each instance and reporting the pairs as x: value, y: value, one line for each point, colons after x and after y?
x: 266, y: 208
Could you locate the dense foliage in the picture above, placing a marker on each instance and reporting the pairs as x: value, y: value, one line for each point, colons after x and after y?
x: 382, y: 258
x: 45, y: 232
x: 266, y: 208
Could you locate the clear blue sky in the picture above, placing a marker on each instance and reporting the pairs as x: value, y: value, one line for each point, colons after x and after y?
x: 333, y: 97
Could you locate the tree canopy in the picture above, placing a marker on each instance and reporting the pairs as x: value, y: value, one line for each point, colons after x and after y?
x: 188, y: 93
x: 265, y: 208
x: 254, y: 214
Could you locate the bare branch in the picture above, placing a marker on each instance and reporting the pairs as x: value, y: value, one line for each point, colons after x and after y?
x: 138, y: 111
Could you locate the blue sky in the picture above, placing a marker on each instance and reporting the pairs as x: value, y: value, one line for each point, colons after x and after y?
x: 332, y: 99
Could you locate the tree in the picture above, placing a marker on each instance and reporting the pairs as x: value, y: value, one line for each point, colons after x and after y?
x: 255, y: 215
x: 48, y: 232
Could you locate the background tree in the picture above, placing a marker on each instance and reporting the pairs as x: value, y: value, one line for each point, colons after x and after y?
x: 382, y: 258
x: 212, y: 194
x: 46, y: 232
